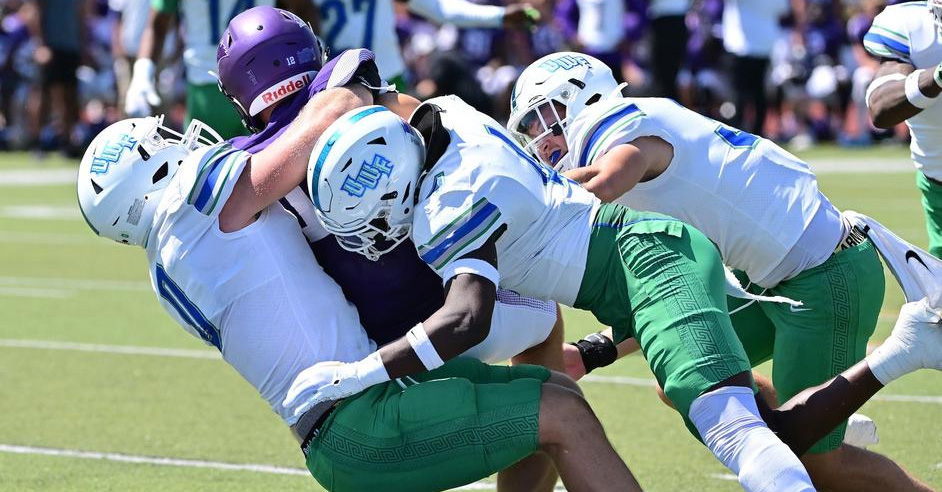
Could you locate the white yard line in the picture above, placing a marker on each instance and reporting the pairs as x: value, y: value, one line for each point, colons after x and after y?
x: 209, y: 354
x: 74, y: 284
x: 41, y: 212
x: 160, y: 461
x: 38, y: 177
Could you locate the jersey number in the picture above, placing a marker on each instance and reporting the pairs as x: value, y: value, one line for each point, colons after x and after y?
x: 335, y: 11
x: 216, y: 23
x: 188, y: 311
x: 737, y: 139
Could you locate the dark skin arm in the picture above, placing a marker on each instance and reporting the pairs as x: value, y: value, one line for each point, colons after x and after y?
x: 888, y: 104
x: 619, y: 170
x: 461, y: 323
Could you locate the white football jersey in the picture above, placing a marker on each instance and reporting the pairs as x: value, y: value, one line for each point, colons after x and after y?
x: 758, y: 203
x: 347, y: 24
x: 484, y: 182
x: 907, y: 33
x: 203, y: 24
x: 256, y: 294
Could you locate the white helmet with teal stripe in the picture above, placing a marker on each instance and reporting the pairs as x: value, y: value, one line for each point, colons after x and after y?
x: 565, y: 80
x: 362, y: 178
x: 125, y: 170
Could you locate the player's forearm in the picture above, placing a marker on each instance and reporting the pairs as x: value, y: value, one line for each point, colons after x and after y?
x: 459, y: 12
x: 890, y: 100
x: 401, y: 104
x: 273, y: 172
x: 154, y: 35
x: 461, y: 323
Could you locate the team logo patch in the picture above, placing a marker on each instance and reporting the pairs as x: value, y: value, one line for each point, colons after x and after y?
x: 368, y: 177
x: 565, y: 62
x: 111, y: 152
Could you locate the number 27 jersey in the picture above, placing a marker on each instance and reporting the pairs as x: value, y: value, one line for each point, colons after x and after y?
x: 483, y: 183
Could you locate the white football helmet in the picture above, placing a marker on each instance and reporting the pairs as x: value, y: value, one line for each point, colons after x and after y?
x: 572, y: 81
x: 362, y: 178
x: 125, y: 170
x: 935, y: 6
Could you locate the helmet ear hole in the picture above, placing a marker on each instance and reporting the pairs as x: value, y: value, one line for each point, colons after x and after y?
x: 161, y: 173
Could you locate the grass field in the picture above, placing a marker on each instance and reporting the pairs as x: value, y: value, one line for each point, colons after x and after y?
x: 100, y: 390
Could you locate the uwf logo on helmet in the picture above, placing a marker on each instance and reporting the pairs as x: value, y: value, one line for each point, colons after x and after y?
x: 564, y: 62
x: 111, y: 152
x: 368, y: 176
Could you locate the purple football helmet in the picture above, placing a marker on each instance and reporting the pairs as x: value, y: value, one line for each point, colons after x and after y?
x: 265, y: 55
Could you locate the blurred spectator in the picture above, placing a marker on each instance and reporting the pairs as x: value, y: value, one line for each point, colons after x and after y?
x: 594, y: 27
x: 130, y: 21
x: 353, y: 24
x: 865, y: 66
x: 16, y: 71
x: 669, y: 36
x: 750, y: 28
x: 62, y: 47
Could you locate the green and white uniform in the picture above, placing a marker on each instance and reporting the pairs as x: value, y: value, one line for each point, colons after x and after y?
x: 259, y: 296
x: 907, y: 33
x: 762, y: 208
x: 203, y: 24
x: 558, y: 243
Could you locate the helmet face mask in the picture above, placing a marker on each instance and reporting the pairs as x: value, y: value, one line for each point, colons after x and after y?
x: 125, y: 171
x: 363, y: 179
x: 545, y: 119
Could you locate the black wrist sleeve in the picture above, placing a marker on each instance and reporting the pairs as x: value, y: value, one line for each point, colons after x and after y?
x: 597, y: 351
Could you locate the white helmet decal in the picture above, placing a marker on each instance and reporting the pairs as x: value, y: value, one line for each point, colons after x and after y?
x: 363, y: 176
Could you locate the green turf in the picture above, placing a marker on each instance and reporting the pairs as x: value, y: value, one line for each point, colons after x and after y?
x: 60, y: 283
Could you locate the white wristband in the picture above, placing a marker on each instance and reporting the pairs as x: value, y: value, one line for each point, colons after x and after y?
x: 423, y: 347
x: 371, y: 370
x: 473, y: 266
x: 914, y: 95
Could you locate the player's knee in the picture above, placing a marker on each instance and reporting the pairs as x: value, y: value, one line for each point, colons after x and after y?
x: 564, y: 415
x: 729, y: 423
x: 564, y: 381
x: 663, y: 396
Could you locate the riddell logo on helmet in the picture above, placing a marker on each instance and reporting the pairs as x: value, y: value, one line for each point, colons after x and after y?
x: 280, y: 91
x: 289, y: 87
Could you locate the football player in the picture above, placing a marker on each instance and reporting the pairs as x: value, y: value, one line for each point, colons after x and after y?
x: 230, y: 265
x: 906, y: 87
x: 761, y: 207
x: 203, y: 23
x: 394, y: 293
x: 483, y: 213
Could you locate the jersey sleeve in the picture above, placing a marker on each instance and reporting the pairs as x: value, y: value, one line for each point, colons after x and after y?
x: 888, y: 36
x: 217, y: 172
x: 454, y: 224
x: 357, y: 65
x: 599, y: 133
x: 164, y: 6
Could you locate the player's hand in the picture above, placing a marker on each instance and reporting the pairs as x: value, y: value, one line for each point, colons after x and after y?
x: 324, y: 381
x: 521, y: 15
x: 572, y: 362
x: 142, y: 95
